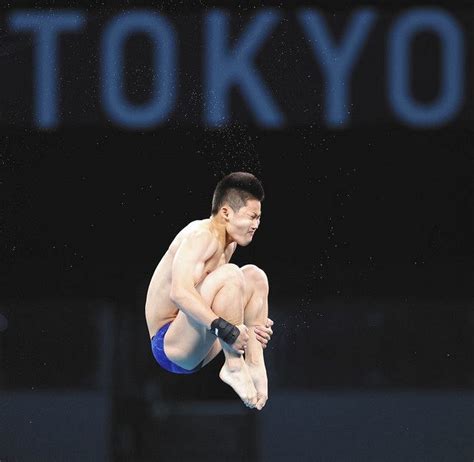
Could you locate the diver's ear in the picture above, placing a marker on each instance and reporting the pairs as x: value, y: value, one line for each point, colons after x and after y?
x: 225, y: 211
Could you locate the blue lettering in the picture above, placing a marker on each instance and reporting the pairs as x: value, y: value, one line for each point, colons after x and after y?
x: 451, y: 94
x: 164, y: 91
x: 336, y: 62
x: 224, y: 68
x: 47, y: 26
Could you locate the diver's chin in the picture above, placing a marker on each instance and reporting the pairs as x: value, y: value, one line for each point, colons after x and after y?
x: 248, y: 240
x: 244, y: 242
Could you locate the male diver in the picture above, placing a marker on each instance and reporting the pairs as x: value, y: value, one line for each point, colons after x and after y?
x: 199, y: 304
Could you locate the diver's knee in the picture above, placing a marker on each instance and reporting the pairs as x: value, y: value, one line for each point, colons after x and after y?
x: 255, y: 276
x: 233, y: 275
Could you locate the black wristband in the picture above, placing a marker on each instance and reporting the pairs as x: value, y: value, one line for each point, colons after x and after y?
x: 225, y: 330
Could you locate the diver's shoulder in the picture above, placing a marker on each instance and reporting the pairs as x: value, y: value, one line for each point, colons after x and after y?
x: 198, y: 232
x: 201, y: 229
x: 197, y: 228
x: 200, y: 236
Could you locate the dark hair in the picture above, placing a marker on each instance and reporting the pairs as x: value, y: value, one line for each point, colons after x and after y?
x: 236, y: 189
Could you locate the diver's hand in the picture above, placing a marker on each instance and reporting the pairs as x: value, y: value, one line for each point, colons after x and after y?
x: 264, y: 333
x: 241, y: 341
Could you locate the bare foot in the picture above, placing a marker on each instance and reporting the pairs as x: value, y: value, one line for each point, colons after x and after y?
x: 240, y: 380
x: 260, y: 381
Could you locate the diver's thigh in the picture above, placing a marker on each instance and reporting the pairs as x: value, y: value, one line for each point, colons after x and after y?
x: 186, y: 342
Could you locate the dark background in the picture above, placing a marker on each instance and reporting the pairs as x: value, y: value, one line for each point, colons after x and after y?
x: 366, y: 238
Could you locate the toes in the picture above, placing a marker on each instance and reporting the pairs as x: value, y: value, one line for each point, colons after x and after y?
x: 251, y: 402
x: 261, y: 402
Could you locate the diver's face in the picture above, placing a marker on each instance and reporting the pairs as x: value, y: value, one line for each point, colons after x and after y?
x: 242, y: 225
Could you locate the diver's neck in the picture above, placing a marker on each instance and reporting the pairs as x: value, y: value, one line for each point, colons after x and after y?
x: 218, y: 225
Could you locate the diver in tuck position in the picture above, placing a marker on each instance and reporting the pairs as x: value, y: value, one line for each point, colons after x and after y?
x: 199, y: 304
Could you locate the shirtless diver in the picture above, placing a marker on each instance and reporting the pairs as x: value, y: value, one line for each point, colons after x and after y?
x: 199, y: 304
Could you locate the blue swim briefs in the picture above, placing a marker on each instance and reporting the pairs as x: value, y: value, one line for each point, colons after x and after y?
x: 157, y: 346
